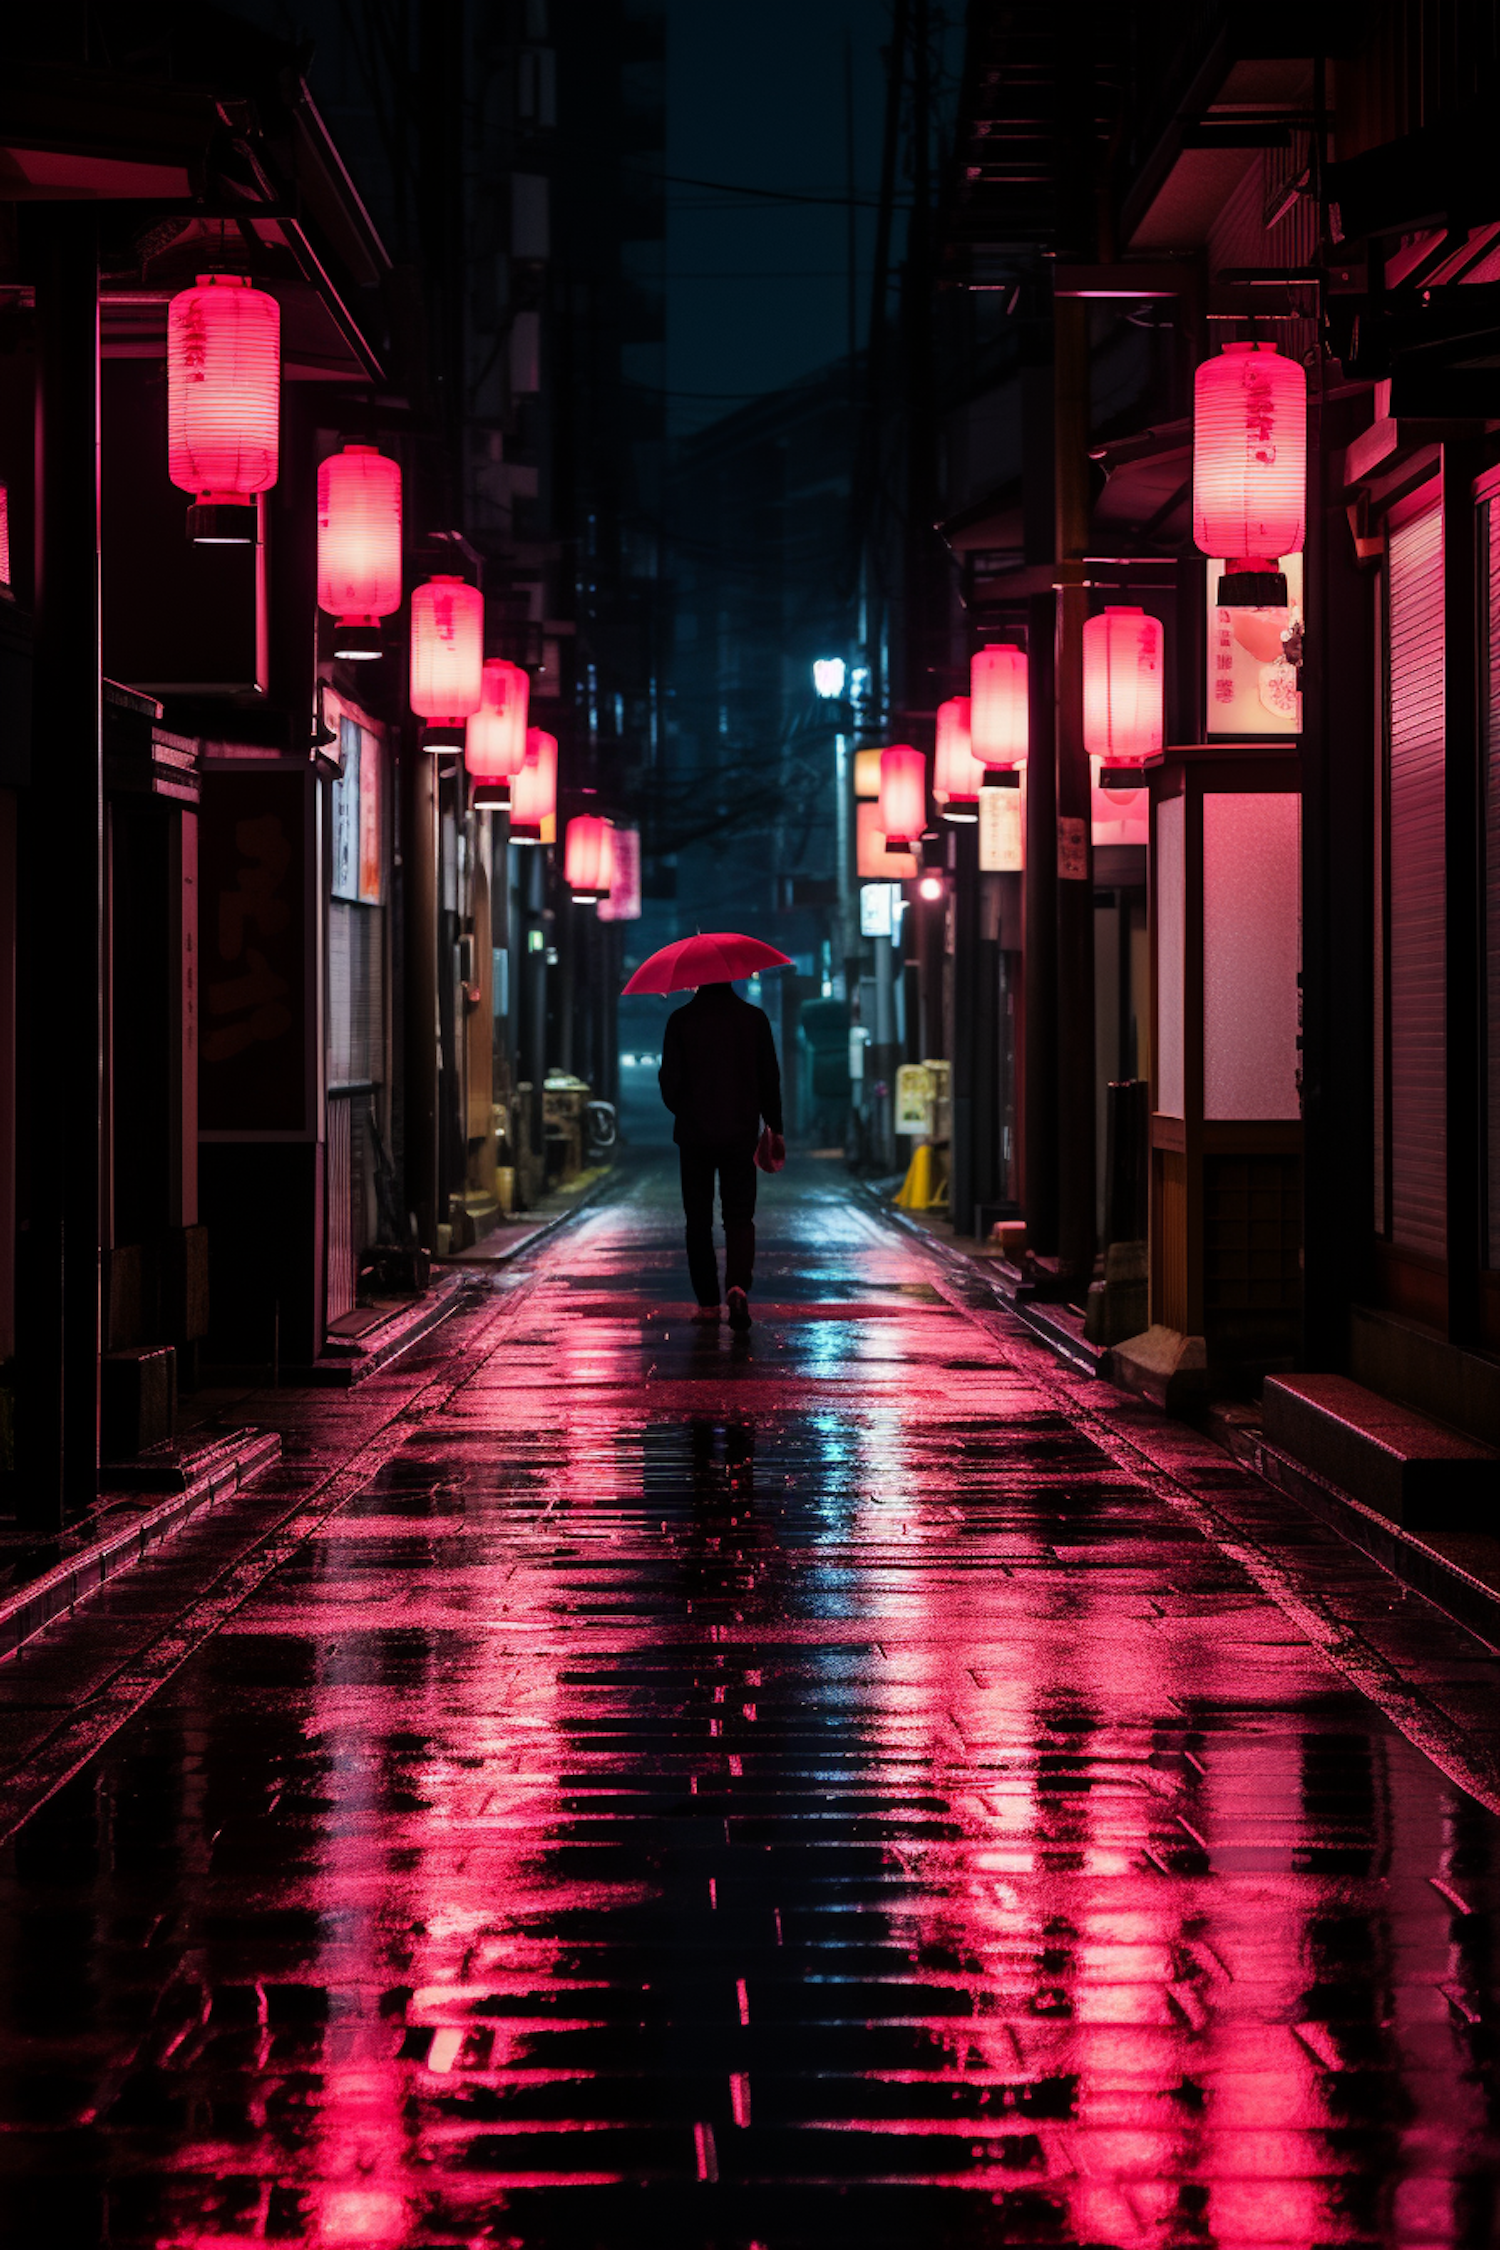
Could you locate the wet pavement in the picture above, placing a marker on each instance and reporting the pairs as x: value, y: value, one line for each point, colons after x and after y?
x: 856, y: 1783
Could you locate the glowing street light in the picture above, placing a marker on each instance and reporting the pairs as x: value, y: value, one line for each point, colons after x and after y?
x: 828, y: 677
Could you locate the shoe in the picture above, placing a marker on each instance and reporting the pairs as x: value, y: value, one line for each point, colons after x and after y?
x: 707, y: 1316
x: 739, y: 1309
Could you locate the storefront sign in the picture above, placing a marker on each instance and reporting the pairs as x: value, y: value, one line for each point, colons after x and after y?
x: 1001, y: 838
x: 879, y: 904
x: 623, y: 903
x: 356, y: 814
x: 914, y: 1095
x: 1252, y: 689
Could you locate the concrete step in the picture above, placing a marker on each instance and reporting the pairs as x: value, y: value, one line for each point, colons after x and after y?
x: 1408, y: 1468
x: 349, y: 1358
x: 124, y: 1534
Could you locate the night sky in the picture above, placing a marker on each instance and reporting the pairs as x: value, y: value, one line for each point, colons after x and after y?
x: 755, y: 96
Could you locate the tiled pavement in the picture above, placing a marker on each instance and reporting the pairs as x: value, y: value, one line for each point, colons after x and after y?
x: 857, y: 1784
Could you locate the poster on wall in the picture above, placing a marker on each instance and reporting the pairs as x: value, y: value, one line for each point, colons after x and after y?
x: 1252, y: 689
x: 356, y: 814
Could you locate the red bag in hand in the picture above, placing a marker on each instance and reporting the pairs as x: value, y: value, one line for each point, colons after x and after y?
x: 770, y: 1151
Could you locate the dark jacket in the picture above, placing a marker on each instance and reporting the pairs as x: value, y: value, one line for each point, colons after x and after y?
x: 719, y: 1074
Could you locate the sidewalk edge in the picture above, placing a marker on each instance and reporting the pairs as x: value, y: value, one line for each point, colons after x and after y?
x: 1401, y: 1552
x: 34, y: 1606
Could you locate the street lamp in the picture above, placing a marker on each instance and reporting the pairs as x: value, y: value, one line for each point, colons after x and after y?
x: 828, y: 677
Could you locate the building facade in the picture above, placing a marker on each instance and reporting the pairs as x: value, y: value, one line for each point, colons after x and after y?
x: 1288, y: 929
x: 282, y: 1002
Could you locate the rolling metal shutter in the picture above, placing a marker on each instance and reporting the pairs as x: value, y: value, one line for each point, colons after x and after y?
x: 1417, y: 1052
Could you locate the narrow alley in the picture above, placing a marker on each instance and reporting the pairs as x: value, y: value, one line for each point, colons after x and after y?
x: 856, y: 1782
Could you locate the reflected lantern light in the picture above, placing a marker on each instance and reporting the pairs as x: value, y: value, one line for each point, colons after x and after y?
x: 1122, y: 687
x: 223, y: 403
x: 359, y: 546
x: 999, y: 717
x: 495, y: 740
x: 957, y: 775
x: 533, y: 795
x: 588, y: 860
x: 1250, y: 469
x: 903, y: 795
x: 447, y: 659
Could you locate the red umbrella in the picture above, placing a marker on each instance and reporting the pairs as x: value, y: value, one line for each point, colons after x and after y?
x: 712, y: 957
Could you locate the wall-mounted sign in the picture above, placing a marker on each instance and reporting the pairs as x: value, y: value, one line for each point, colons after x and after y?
x: 1001, y: 831
x: 879, y: 904
x: 356, y: 812
x: 1252, y: 689
x: 623, y: 903
x: 914, y: 1098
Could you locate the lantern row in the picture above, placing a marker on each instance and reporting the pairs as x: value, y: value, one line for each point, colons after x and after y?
x: 223, y: 417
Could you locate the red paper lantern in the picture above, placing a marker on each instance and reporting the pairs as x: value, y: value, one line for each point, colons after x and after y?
x: 495, y: 741
x: 957, y: 775
x: 999, y: 718
x: 447, y: 658
x: 1122, y: 686
x: 223, y: 403
x: 903, y: 795
x: 1249, y: 455
x: 588, y: 861
x: 533, y: 796
x: 359, y: 545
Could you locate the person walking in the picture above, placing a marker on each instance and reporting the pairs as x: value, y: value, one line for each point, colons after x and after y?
x: 720, y: 1079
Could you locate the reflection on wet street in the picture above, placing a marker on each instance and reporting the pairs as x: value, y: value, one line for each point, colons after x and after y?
x: 784, y: 1790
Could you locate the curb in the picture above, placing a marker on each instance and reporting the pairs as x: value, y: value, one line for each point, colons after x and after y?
x: 342, y: 1370
x: 1427, y: 1571
x: 1057, y: 1334
x: 478, y: 1266
x: 33, y: 1606
x: 1408, y: 1558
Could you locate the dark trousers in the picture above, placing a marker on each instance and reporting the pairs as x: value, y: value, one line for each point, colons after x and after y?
x: 735, y: 1167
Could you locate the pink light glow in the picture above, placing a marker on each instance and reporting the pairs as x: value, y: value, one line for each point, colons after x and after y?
x: 447, y: 649
x: 533, y: 794
x: 999, y: 718
x: 588, y: 857
x: 1122, y: 686
x: 903, y: 795
x: 495, y: 738
x: 624, y: 901
x: 1249, y: 455
x: 359, y: 535
x: 223, y: 389
x: 957, y: 775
